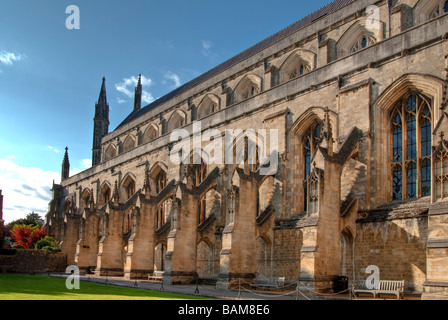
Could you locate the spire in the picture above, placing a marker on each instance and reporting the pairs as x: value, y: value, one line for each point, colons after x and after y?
x: 101, y: 123
x: 138, y: 94
x: 103, y: 98
x: 65, y: 166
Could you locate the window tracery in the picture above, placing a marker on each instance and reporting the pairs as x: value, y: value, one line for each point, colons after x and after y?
x: 441, y: 169
x: 311, y: 142
x: 363, y: 42
x: 411, y: 125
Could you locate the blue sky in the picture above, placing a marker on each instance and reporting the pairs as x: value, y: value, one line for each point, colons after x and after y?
x: 50, y: 76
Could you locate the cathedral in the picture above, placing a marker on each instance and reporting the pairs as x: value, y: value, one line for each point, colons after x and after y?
x: 336, y: 161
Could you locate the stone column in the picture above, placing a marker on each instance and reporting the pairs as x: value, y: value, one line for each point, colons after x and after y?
x: 87, y: 245
x: 436, y: 285
x: 110, y: 249
x: 70, y: 237
x: 180, y: 265
x: 140, y: 255
x: 237, y: 262
x: 320, y: 254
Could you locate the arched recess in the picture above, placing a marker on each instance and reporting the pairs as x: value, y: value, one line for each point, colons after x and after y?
x: 358, y: 37
x: 86, y: 198
x: 198, y: 165
x: 159, y: 256
x: 163, y: 212
x: 269, y: 194
x: 105, y: 193
x: 210, y: 204
x: 247, y: 146
x: 347, y: 253
x: 158, y: 177
x: 151, y: 133
x: 208, y: 105
x: 205, y: 261
x: 128, y: 186
x: 129, y: 143
x: 111, y: 152
x: 177, y: 119
x: 298, y: 63
x: 68, y: 207
x: 429, y: 85
x: 304, y: 138
x: 264, y: 256
x: 249, y: 86
x: 428, y: 90
x: 426, y: 10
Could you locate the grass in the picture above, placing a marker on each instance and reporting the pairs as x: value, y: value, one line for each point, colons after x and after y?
x: 29, y: 287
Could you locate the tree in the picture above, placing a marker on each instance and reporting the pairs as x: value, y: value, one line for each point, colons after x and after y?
x: 26, y: 235
x: 31, y: 219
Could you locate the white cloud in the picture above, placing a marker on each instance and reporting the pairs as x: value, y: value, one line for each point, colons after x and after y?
x: 173, y: 77
x: 52, y: 148
x: 25, y: 189
x: 206, y: 49
x: 11, y: 156
x: 206, y: 45
x: 8, y: 58
x: 86, y: 163
x: 128, y: 85
x: 83, y: 165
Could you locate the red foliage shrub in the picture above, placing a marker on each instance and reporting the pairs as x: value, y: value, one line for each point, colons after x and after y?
x: 26, y: 236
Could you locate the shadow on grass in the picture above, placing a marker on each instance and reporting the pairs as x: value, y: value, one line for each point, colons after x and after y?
x: 29, y: 287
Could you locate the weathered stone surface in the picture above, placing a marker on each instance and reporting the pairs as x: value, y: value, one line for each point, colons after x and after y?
x: 321, y: 215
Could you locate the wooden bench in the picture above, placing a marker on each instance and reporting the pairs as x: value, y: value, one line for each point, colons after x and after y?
x: 268, y: 282
x: 362, y: 288
x: 391, y: 287
x: 384, y: 287
x: 156, y: 276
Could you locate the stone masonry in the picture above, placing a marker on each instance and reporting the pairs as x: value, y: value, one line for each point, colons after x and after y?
x: 353, y: 102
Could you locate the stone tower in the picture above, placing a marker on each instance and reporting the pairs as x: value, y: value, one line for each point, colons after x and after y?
x: 101, y: 124
x: 138, y: 94
x: 65, y: 166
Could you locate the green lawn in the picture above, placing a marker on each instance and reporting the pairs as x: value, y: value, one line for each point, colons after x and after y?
x: 28, y: 287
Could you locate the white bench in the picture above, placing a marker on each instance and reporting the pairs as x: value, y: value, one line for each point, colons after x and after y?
x: 384, y: 287
x: 391, y: 287
x: 269, y: 282
x: 156, y: 276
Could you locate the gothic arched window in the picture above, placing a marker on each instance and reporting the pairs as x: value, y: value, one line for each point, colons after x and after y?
x: 411, y: 125
x: 311, y: 141
x: 440, y: 9
x: 130, y: 189
x: 160, y: 181
x: 300, y: 70
x: 200, y: 171
x: 363, y: 42
x: 160, y: 221
x: 202, y: 209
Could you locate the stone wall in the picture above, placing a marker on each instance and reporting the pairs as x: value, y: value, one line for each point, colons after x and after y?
x: 27, y: 261
x: 397, y: 247
x: 286, y: 255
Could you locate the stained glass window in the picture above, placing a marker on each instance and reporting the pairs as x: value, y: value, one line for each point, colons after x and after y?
x: 411, y: 147
x: 397, y: 183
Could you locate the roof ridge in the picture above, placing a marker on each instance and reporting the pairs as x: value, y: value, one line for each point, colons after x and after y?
x: 245, y: 54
